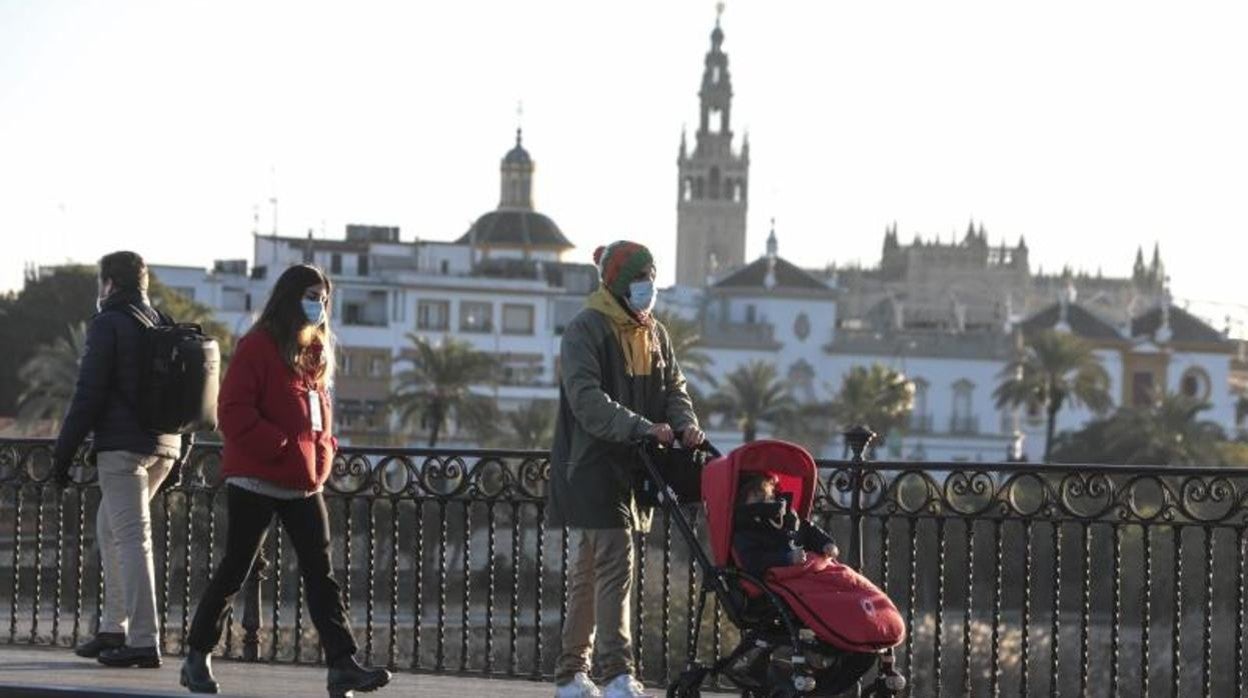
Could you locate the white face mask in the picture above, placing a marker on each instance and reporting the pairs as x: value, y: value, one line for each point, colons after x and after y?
x: 314, y: 311
x: 641, y: 296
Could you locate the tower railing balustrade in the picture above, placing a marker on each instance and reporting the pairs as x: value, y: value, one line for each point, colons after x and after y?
x: 1018, y: 578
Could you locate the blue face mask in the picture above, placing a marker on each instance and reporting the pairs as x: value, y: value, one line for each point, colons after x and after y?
x: 641, y: 296
x: 314, y: 311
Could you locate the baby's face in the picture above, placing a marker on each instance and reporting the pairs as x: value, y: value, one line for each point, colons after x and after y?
x: 765, y: 491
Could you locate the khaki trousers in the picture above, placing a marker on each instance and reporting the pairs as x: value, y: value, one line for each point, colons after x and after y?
x: 600, y: 579
x: 123, y: 527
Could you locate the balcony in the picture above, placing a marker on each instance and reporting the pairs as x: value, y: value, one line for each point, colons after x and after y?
x: 1014, y: 578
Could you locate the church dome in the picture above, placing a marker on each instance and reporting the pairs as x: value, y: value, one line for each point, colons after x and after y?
x: 515, y: 228
x: 517, y: 155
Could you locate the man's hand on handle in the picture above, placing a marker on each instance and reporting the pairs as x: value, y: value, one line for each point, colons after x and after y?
x: 692, y: 437
x: 663, y: 434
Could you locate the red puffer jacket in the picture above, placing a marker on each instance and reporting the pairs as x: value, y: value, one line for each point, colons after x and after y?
x: 264, y: 417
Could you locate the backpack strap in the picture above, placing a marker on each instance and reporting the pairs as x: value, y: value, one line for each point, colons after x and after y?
x: 134, y: 312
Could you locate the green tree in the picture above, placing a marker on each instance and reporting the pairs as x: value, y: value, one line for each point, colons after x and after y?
x: 754, y: 395
x: 1168, y: 432
x: 1054, y: 370
x: 38, y: 315
x: 48, y: 380
x: 438, y: 383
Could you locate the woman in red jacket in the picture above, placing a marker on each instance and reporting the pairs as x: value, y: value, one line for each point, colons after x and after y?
x: 275, y: 415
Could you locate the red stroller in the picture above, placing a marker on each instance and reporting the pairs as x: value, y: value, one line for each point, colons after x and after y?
x: 813, y: 629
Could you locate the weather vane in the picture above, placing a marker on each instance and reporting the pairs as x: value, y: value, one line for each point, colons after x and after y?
x: 719, y: 11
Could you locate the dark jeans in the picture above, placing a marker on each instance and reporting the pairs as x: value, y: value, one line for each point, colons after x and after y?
x: 307, y: 523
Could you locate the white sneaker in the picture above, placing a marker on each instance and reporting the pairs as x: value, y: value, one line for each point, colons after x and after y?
x: 625, y: 686
x: 579, y: 687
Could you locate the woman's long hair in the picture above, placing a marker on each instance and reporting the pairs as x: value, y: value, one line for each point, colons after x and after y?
x: 284, y: 320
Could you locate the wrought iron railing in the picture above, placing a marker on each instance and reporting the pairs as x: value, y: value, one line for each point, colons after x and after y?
x: 1013, y: 578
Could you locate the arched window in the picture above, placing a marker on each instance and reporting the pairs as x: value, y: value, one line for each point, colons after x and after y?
x: 1195, y: 384
x: 716, y: 121
x: 699, y: 188
x: 686, y: 189
x: 714, y: 193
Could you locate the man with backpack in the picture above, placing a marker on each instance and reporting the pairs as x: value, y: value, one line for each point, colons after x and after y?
x: 133, y: 460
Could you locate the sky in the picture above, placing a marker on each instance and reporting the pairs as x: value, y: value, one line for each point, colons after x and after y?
x: 1090, y: 128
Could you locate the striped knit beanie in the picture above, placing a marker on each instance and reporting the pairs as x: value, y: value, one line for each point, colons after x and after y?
x: 619, y: 263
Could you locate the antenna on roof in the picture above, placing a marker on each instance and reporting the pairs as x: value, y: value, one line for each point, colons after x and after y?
x: 273, y: 195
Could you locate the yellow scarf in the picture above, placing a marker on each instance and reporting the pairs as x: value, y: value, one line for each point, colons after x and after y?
x: 637, y: 337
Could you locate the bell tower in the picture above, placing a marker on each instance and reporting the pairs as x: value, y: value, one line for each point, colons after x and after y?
x: 713, y: 183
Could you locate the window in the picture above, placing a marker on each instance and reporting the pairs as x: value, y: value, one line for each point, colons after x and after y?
x: 751, y: 314
x: 962, y: 421
x: 714, y: 190
x: 715, y: 75
x: 717, y: 121
x: 364, y: 308
x: 345, y: 364
x: 686, y: 189
x: 376, y: 367
x: 433, y: 315
x: 444, y: 267
x: 517, y: 319
x: 565, y: 310
x: 361, y: 266
x: 335, y: 263
x: 920, y: 419
x: 476, y: 317
x: 233, y: 299
x: 1195, y: 384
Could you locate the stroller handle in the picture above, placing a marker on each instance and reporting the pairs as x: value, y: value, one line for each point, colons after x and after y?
x: 649, y: 441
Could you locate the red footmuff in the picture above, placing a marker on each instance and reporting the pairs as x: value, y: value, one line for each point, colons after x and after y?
x: 842, y: 607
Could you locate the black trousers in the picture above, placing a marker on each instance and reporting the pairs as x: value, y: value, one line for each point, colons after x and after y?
x: 307, y: 523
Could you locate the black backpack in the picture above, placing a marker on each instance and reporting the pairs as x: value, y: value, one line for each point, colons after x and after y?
x: 179, y: 373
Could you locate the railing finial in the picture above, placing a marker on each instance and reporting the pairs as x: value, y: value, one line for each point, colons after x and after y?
x: 858, y: 438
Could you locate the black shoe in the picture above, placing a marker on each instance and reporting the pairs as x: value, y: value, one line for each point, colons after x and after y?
x: 102, y: 641
x: 125, y: 656
x: 346, y: 675
x: 197, y: 672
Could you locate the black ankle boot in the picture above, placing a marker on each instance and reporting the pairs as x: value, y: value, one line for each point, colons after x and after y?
x: 102, y: 641
x: 126, y: 656
x: 346, y: 675
x: 197, y: 672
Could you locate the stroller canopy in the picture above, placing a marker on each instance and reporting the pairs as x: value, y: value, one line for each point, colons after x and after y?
x: 791, y: 464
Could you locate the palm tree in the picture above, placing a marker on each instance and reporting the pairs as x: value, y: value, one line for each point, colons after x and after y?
x: 754, y: 394
x: 438, y: 384
x: 49, y: 377
x: 1053, y: 370
x: 875, y: 396
x: 532, y: 426
x: 1168, y: 432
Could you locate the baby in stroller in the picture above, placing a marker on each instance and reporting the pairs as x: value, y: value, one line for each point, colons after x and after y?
x: 768, y: 533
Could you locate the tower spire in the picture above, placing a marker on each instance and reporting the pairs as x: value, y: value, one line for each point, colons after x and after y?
x: 712, y: 190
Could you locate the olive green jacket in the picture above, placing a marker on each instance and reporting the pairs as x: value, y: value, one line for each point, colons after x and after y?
x: 602, y: 412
